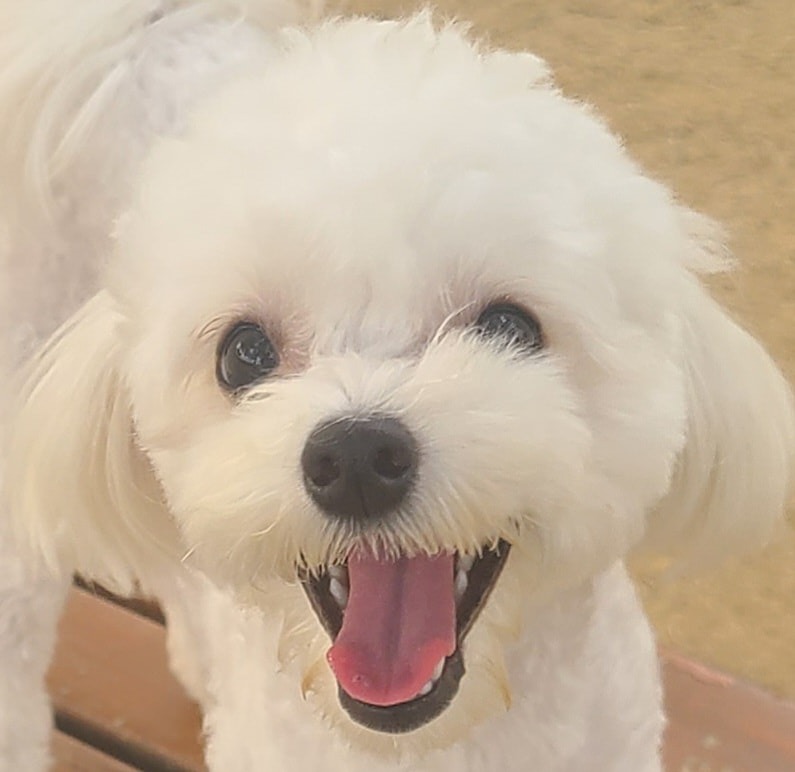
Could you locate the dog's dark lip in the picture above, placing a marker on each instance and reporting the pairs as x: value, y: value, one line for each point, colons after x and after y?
x: 408, y: 716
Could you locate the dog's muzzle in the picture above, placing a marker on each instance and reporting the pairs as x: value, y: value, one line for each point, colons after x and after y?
x: 396, y: 622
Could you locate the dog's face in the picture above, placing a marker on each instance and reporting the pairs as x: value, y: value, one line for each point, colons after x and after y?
x: 372, y: 322
x: 401, y: 325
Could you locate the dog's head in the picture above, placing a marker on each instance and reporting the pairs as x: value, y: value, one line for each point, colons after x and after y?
x: 397, y: 321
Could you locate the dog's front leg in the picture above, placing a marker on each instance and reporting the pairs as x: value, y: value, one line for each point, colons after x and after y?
x: 30, y: 605
x: 181, y: 596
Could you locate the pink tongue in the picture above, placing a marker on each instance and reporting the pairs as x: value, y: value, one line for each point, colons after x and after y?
x: 398, y: 624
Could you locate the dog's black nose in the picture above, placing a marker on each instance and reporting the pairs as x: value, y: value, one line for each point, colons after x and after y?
x: 360, y: 468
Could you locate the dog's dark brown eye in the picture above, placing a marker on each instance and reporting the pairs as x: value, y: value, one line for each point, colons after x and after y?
x: 510, y: 326
x: 245, y: 356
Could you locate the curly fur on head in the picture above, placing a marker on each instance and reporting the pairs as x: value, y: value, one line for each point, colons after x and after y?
x: 362, y: 191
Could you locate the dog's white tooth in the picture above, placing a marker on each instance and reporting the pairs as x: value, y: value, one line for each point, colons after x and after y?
x: 465, y: 562
x: 339, y: 573
x: 339, y: 592
x: 426, y: 689
x: 461, y: 584
x: 437, y: 673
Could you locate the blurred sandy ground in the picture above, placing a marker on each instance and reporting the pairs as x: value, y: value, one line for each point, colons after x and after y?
x: 704, y: 94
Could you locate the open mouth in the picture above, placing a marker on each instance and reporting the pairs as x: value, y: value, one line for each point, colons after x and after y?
x: 397, y: 627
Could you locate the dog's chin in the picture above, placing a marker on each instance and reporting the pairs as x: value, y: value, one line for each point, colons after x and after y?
x: 369, y: 607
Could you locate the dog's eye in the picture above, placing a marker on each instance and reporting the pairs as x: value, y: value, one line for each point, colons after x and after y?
x: 511, y: 326
x: 245, y: 356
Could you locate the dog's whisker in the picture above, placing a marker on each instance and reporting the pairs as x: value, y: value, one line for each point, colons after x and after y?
x: 442, y: 329
x: 212, y: 328
x: 270, y: 527
x: 187, y: 555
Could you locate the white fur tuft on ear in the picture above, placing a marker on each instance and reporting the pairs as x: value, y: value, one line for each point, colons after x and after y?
x: 732, y: 481
x: 82, y: 494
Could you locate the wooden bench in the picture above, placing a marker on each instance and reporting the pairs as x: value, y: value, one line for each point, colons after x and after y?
x: 119, y: 709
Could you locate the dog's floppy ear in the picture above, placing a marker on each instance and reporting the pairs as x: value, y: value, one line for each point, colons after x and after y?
x: 82, y: 493
x: 732, y: 479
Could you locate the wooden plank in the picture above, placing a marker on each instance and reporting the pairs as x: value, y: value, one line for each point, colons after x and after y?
x: 71, y: 755
x: 717, y: 724
x: 112, y: 689
x: 145, y: 607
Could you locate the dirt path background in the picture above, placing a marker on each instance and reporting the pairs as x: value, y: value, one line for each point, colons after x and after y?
x: 704, y: 94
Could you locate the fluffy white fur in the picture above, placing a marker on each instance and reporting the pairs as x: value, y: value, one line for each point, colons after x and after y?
x: 362, y: 189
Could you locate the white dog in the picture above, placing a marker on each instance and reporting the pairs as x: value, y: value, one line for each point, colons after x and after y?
x: 378, y: 355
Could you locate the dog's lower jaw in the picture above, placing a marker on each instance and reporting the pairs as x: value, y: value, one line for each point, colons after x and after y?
x: 444, y: 593
x: 584, y: 679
